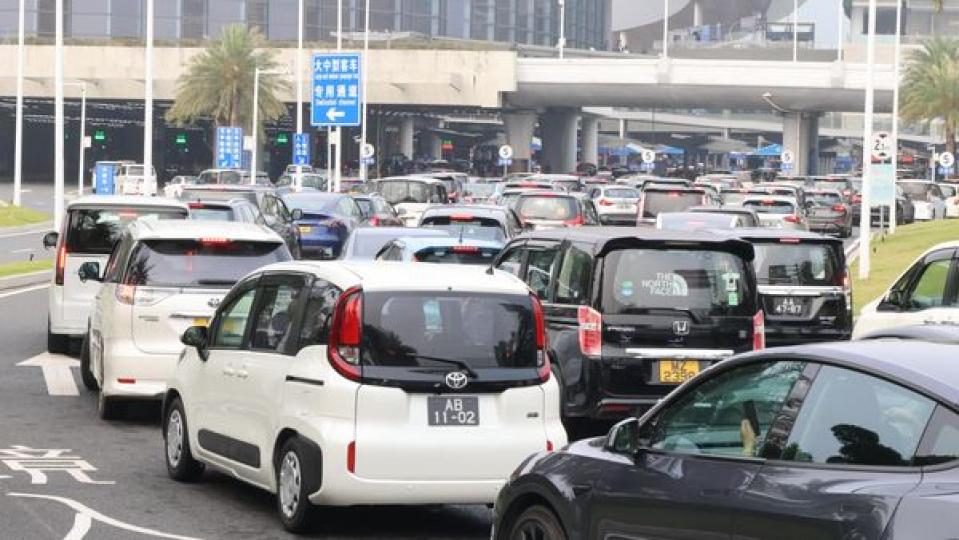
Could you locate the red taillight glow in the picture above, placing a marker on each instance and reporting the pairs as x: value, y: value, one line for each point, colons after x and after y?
x: 857, y: 198
x: 549, y: 445
x: 590, y: 331
x: 759, y: 331
x: 605, y: 202
x: 542, y: 352
x: 343, y: 350
x: 214, y: 241
x: 126, y: 380
x: 578, y: 220
x: 839, y: 208
x: 461, y: 217
x: 61, y: 262
x: 351, y: 457
x: 466, y: 249
x: 788, y: 240
x: 793, y: 219
x: 375, y: 221
x: 127, y: 215
x: 674, y: 194
x: 195, y: 205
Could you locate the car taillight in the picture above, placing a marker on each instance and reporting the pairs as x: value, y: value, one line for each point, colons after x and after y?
x: 351, y: 457
x: 542, y: 354
x: 839, y: 208
x: 375, y: 221
x: 125, y: 294
x: 759, y: 331
x: 461, y: 217
x: 857, y: 199
x: 343, y: 350
x: 590, y: 331
x: 605, y: 202
x: 195, y: 205
x: 466, y: 249
x: 793, y: 219
x: 215, y: 241
x: 61, y: 262
x: 549, y: 445
x: 576, y: 221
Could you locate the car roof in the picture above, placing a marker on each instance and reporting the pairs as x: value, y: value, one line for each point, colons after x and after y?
x: 220, y: 202
x: 410, y: 178
x: 823, y: 191
x: 762, y: 233
x: 552, y: 193
x: 552, y: 177
x: 417, y: 243
x: 929, y: 366
x: 316, y: 195
x: 729, y: 209
x: 100, y: 201
x: 480, y: 210
x: 777, y: 198
x: 143, y: 229
x: 603, y: 238
x: 401, y: 276
x: 397, y: 232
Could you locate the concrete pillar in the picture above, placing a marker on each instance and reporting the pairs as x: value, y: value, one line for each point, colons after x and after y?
x: 406, y: 137
x: 431, y: 142
x: 558, y: 131
x: 801, y: 135
x: 519, y: 135
x: 590, y: 129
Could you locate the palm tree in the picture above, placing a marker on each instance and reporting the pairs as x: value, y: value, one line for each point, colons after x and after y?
x: 938, y: 5
x: 218, y: 83
x: 930, y: 86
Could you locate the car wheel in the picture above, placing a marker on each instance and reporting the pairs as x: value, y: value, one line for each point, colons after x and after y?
x: 57, y: 343
x: 89, y: 381
x: 297, y: 475
x: 536, y: 523
x: 298, y: 251
x: 180, y: 464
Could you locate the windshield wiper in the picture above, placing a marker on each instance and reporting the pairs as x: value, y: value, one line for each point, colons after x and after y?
x: 458, y: 363
x: 216, y: 282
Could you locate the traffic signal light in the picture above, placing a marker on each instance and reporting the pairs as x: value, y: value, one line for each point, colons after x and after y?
x: 282, y: 139
x: 180, y: 139
x: 100, y: 135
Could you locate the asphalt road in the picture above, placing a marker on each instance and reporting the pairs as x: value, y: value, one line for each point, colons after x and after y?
x: 24, y: 243
x: 132, y: 497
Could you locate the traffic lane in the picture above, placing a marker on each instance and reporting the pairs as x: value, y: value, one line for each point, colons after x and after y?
x: 128, y: 454
x: 24, y: 244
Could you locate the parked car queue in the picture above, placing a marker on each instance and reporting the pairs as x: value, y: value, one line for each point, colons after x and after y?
x: 572, y: 326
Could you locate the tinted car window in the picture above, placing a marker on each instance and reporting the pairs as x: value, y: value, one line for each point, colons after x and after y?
x: 916, y: 191
x: 539, y: 270
x: 484, y: 331
x: 457, y: 255
x: 197, y: 263
x: 318, y: 314
x: 940, y: 443
x: 621, y: 193
x: 853, y: 418
x: 547, y: 208
x: 713, y: 282
x: 655, y: 202
x: 729, y: 414
x: 273, y: 321
x: 397, y: 192
x: 797, y: 264
x: 467, y: 227
x: 824, y: 199
x: 572, y: 284
x: 930, y: 290
x: 97, y: 230
x: 512, y: 262
x: 947, y: 190
x: 231, y: 323
x: 771, y: 207
x: 212, y: 213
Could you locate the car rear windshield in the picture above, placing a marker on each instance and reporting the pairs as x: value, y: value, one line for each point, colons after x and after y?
x: 466, y: 226
x: 567, y: 185
x: 95, y: 231
x: 733, y: 198
x: 211, y: 213
x: 457, y: 255
x: 656, y: 202
x: 426, y: 330
x: 688, y: 221
x: 824, y: 199
x: 831, y: 184
x: 915, y: 190
x: 547, y: 207
x: 947, y: 190
x: 797, y: 263
x: 771, y: 207
x: 199, y: 263
x: 621, y: 193
x: 703, y: 281
x: 397, y: 192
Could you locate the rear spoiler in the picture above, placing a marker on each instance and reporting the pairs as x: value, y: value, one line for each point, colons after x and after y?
x: 735, y: 246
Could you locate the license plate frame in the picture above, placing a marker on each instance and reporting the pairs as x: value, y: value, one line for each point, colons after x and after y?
x: 305, y: 229
x: 667, y: 367
x: 452, y: 411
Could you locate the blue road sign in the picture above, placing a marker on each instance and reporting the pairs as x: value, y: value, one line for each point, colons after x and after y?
x: 946, y: 171
x: 505, y: 162
x: 301, y: 148
x: 103, y: 179
x: 229, y: 147
x: 786, y: 166
x: 336, y: 90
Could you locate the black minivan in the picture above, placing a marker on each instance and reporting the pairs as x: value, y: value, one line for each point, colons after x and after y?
x: 804, y: 286
x: 631, y: 313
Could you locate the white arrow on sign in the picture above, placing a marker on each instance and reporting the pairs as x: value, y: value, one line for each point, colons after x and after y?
x: 332, y: 114
x: 56, y: 373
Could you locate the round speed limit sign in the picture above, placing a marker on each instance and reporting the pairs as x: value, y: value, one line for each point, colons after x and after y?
x: 947, y: 160
x: 649, y: 156
x: 506, y: 152
x: 367, y: 151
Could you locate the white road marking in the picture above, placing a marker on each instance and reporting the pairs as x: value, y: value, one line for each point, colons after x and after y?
x: 25, y: 290
x: 80, y: 509
x: 81, y: 526
x: 23, y: 250
x: 56, y: 373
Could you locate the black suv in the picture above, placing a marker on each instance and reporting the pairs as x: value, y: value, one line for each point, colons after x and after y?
x: 804, y: 287
x: 633, y: 312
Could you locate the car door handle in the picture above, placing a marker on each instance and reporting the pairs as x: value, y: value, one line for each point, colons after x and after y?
x: 242, y: 373
x: 229, y: 371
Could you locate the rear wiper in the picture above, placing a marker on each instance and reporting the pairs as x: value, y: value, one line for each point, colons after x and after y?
x: 458, y: 363
x: 229, y: 282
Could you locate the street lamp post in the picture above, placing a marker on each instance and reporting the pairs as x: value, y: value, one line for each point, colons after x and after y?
x: 865, y: 217
x: 18, y: 136
x: 895, y: 111
x: 83, y: 133
x: 365, y: 75
x: 795, y: 30
x: 299, y: 67
x: 148, y: 96
x: 561, y: 44
x: 255, y: 128
x: 665, y: 28
x: 58, y: 117
x: 339, y: 131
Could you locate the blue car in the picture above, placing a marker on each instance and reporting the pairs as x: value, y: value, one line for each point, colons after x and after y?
x: 324, y: 220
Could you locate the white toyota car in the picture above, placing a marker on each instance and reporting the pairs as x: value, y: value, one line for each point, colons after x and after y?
x: 91, y: 227
x: 338, y: 383
x: 162, y: 278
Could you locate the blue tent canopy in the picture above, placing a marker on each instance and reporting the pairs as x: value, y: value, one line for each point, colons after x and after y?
x: 670, y: 150
x: 773, y: 150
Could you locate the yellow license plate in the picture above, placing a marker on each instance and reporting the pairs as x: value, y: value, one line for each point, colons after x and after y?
x: 201, y: 321
x: 305, y: 229
x: 677, y: 371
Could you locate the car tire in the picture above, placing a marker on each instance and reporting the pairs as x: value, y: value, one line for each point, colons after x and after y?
x: 86, y: 375
x: 180, y: 463
x: 297, y: 473
x: 537, y: 521
x: 57, y: 343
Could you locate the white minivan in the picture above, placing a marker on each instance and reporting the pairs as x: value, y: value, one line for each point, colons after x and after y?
x: 91, y: 227
x: 340, y: 383
x: 162, y: 278
x: 410, y: 195
x: 133, y: 179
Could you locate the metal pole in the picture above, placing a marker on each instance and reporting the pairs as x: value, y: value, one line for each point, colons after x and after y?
x: 895, y: 113
x: 665, y: 28
x: 366, y: 86
x: 329, y: 160
x: 839, y: 42
x: 58, y: 117
x: 865, y: 216
x: 255, y: 127
x: 299, y: 67
x: 83, y: 137
x: 18, y: 136
x: 561, y: 44
x: 148, y: 99
x: 795, y: 30
x: 339, y: 134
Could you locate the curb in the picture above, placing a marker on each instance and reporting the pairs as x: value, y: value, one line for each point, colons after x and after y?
x: 25, y: 280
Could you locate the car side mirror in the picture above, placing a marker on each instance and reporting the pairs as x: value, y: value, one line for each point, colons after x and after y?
x: 296, y: 214
x: 196, y: 336
x: 892, y: 301
x: 89, y: 271
x: 50, y: 239
x: 623, y: 438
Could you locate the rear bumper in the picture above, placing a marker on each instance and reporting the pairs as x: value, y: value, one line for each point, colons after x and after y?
x: 150, y: 372
x: 348, y: 490
x: 618, y: 218
x: 834, y: 226
x: 780, y: 336
x: 327, y: 247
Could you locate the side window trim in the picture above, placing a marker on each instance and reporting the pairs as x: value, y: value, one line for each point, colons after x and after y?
x: 239, y: 291
x: 560, y: 248
x: 292, y: 279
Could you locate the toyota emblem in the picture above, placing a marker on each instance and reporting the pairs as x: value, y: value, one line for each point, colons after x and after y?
x: 681, y: 328
x: 456, y: 380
